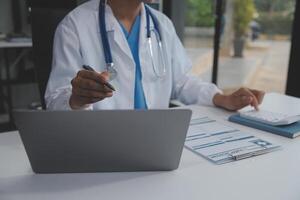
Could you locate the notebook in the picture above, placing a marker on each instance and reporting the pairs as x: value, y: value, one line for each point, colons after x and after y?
x: 290, y: 131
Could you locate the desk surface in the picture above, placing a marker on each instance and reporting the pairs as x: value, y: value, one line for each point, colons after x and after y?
x: 271, y: 176
x: 5, y: 44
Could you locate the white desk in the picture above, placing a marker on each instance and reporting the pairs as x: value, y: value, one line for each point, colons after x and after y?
x: 274, y: 176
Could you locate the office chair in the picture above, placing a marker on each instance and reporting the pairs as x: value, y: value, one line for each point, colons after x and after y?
x: 45, y: 15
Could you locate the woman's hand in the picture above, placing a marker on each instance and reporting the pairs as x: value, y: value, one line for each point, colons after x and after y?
x: 239, y: 99
x: 88, y: 87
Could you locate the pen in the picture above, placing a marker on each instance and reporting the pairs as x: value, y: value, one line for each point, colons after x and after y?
x: 86, y: 67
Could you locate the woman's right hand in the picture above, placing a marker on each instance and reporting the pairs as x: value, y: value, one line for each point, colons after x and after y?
x: 88, y: 88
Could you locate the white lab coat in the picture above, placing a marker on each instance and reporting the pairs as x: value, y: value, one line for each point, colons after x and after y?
x: 77, y: 42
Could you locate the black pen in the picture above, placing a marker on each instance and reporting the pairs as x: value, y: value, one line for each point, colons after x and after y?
x: 86, y: 67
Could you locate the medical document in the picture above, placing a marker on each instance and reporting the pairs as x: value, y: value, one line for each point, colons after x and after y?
x: 220, y: 143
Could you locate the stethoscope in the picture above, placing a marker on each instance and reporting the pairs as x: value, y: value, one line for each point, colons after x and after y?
x: 159, y: 71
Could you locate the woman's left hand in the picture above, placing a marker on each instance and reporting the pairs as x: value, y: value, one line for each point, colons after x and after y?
x: 239, y: 99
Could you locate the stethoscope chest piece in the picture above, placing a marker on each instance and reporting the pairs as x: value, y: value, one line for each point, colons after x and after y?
x: 159, y: 67
x: 113, y: 73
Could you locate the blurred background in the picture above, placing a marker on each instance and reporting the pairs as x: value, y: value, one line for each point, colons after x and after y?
x: 255, y: 42
x: 233, y: 43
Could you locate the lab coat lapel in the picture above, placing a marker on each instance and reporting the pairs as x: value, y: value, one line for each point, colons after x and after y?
x: 143, y: 30
x: 115, y: 33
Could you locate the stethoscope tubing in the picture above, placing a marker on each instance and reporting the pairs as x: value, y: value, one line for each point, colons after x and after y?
x: 106, y: 46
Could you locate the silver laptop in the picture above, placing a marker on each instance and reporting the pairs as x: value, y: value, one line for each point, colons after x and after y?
x: 103, y: 141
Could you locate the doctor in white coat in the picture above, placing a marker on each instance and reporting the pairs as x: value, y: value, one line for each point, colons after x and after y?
x: 142, y: 80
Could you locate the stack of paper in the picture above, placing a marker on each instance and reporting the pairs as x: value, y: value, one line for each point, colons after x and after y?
x: 221, y: 144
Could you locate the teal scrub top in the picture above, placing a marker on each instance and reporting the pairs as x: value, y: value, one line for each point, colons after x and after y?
x: 133, y: 42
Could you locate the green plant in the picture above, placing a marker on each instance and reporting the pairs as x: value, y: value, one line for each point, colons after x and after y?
x: 275, y: 23
x: 200, y: 13
x: 274, y: 5
x: 243, y: 14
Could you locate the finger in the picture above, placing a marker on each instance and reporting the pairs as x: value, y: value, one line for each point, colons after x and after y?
x: 99, y: 78
x: 238, y: 102
x: 90, y: 85
x: 90, y: 93
x: 94, y: 100
x: 87, y: 100
x: 259, y: 95
x: 105, y: 75
x: 255, y: 104
x: 245, y: 101
x: 248, y: 93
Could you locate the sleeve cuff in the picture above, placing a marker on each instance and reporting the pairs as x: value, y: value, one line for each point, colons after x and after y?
x: 212, y: 92
x: 61, y: 101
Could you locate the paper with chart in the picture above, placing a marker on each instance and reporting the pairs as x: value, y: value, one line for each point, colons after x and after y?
x: 221, y: 143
